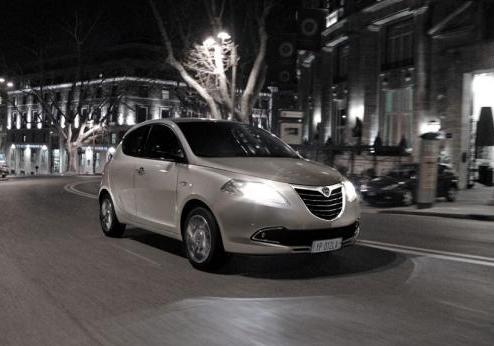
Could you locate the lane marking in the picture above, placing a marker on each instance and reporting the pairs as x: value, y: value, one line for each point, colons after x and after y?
x: 445, y: 255
x: 136, y: 255
x: 71, y: 189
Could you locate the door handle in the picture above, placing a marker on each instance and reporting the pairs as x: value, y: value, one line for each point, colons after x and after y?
x: 140, y: 171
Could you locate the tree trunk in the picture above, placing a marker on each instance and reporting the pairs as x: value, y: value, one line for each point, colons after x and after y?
x: 72, y: 166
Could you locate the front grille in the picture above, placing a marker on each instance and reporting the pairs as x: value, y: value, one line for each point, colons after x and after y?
x: 289, y: 237
x: 327, y: 208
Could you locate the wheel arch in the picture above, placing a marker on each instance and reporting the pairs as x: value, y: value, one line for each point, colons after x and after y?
x: 190, y: 205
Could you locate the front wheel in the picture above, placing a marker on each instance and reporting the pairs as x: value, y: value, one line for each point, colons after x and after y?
x: 407, y: 198
x: 202, y: 239
x: 110, y: 225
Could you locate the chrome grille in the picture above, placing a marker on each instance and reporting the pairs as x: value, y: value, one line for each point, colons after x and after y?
x: 327, y: 208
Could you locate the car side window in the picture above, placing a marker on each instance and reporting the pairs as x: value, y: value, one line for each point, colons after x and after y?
x: 163, y: 144
x: 134, y: 143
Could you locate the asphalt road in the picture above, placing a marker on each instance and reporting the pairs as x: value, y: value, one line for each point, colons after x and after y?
x: 413, y: 281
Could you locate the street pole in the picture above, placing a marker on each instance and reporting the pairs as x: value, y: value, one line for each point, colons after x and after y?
x: 234, y: 77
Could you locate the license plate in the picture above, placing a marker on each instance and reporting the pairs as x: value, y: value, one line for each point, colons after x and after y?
x: 325, y: 245
x: 371, y: 193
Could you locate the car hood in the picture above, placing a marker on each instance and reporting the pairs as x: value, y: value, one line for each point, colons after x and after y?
x: 286, y: 170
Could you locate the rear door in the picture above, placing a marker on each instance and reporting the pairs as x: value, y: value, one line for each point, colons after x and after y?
x: 156, y: 180
x: 123, y: 170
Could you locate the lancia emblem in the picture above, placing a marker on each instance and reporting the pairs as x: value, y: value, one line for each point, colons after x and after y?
x: 326, y: 191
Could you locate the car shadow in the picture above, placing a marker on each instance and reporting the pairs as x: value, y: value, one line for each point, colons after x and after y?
x: 351, y: 260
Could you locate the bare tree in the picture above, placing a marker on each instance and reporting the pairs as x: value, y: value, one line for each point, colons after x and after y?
x: 210, y: 68
x: 72, y: 101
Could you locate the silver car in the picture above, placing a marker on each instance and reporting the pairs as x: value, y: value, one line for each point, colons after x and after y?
x: 225, y: 187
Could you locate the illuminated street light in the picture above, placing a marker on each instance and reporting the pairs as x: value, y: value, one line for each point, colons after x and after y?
x: 209, y: 42
x: 224, y: 36
x: 10, y: 84
x: 2, y: 80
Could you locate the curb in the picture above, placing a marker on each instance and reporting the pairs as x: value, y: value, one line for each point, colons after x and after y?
x: 478, y: 217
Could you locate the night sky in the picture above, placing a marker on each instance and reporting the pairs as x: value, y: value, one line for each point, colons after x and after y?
x: 30, y: 23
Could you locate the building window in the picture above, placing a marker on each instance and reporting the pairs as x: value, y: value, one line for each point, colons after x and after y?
x: 23, y: 120
x: 34, y: 99
x: 85, y: 114
x: 113, y: 138
x: 397, y: 120
x: 113, y: 114
x: 24, y: 99
x: 143, y: 91
x: 332, y: 18
x: 14, y: 101
x: 141, y: 113
x: 165, y: 94
x: 342, y: 56
x: 399, y: 44
x: 165, y: 113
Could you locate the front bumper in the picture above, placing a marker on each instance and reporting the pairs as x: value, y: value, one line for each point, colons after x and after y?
x: 301, y: 240
x: 287, y: 229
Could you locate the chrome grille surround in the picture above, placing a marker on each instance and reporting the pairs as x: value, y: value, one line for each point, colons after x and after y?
x: 320, y: 203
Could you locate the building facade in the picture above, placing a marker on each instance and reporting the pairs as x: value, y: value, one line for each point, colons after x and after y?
x: 402, y: 68
x: 33, y: 145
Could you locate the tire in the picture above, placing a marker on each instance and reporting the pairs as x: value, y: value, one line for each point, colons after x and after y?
x: 202, y: 240
x: 407, y: 198
x: 110, y: 225
x: 451, y: 193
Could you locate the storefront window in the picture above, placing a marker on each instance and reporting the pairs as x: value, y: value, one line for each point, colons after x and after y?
x: 397, y: 120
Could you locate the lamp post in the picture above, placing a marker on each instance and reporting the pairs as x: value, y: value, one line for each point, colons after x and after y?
x: 4, y: 85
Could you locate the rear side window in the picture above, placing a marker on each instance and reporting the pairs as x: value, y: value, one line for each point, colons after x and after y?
x: 134, y: 143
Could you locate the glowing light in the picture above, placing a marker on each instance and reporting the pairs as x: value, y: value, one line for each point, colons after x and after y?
x: 224, y: 36
x: 209, y: 42
x: 2, y: 80
x: 430, y: 126
x: 258, y: 193
x: 482, y: 87
x: 111, y: 150
x: 12, y: 146
x: 350, y: 192
x: 44, y: 147
x: 10, y: 84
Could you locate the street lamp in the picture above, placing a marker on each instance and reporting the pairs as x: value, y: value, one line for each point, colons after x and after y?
x: 209, y: 42
x: 10, y: 84
x: 224, y: 36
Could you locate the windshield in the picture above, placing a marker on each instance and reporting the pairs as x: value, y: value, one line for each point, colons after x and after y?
x: 225, y: 139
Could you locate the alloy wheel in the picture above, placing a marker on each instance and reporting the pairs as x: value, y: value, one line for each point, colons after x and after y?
x: 198, y: 238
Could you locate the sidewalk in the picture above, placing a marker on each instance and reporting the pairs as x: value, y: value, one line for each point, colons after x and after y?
x: 470, y: 204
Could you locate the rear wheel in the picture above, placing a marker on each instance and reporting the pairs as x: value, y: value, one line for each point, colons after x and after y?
x: 451, y: 193
x: 110, y: 225
x: 202, y: 239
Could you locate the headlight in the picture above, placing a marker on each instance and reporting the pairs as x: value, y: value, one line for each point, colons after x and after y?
x: 364, y: 188
x: 350, y: 192
x: 253, y: 191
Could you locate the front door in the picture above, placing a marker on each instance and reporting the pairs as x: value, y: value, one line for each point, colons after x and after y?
x: 156, y: 180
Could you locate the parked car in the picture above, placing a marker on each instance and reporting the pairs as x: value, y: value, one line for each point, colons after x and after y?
x: 400, y: 185
x: 222, y: 186
x: 4, y: 168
